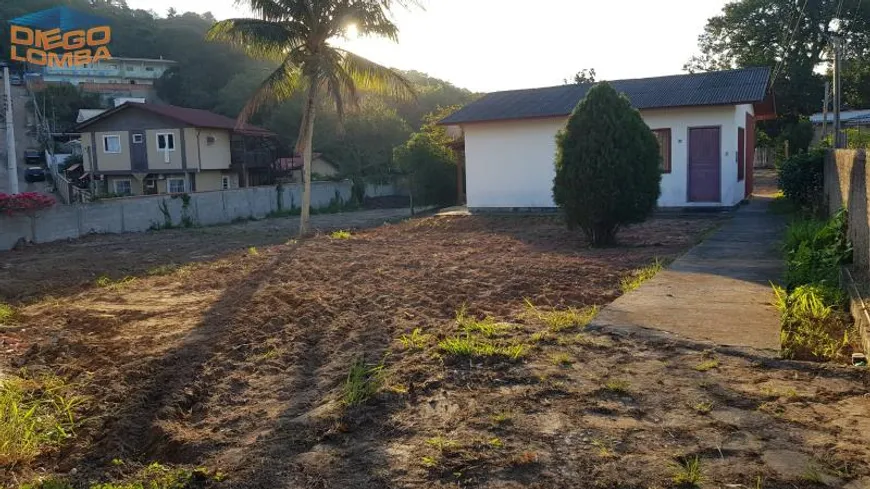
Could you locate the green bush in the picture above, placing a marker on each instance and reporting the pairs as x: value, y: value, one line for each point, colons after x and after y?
x: 607, y: 166
x: 815, y: 250
x: 815, y: 324
x: 801, y: 180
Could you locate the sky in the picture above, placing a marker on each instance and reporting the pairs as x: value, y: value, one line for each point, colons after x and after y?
x: 490, y: 45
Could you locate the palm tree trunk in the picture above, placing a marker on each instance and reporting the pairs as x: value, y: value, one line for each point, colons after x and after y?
x: 303, y: 145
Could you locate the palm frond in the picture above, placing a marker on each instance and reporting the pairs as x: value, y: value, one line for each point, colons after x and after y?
x: 370, y: 17
x: 258, y: 38
x: 280, y: 85
x: 370, y: 76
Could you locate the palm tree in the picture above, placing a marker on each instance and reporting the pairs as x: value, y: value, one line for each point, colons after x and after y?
x: 297, y: 34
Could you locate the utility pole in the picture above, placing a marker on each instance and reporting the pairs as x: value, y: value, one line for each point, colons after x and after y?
x: 838, y: 139
x: 10, y: 136
x: 827, y: 103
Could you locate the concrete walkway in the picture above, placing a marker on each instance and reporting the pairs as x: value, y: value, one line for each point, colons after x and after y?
x: 719, y: 292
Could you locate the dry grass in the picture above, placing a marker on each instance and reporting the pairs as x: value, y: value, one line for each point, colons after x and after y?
x: 641, y: 275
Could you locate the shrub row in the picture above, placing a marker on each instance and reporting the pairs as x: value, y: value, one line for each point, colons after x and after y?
x: 815, y: 324
x: 801, y: 179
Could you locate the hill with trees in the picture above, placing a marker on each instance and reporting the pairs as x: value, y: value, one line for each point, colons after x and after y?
x: 216, y: 77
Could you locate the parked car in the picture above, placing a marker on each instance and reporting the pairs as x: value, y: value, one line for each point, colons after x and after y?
x: 34, y: 174
x: 32, y: 156
x: 15, y: 79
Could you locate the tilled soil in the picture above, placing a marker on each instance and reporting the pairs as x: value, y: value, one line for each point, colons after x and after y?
x: 238, y: 364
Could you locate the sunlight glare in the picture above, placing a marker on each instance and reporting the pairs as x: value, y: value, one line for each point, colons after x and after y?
x: 351, y: 31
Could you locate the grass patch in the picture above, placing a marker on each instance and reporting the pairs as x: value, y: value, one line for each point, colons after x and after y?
x: 106, y: 282
x: 442, y: 444
x: 7, y: 313
x: 471, y: 347
x: 417, y: 340
x: 253, y: 251
x: 688, y: 473
x: 641, y: 275
x: 502, y: 418
x: 363, y: 382
x: 604, y: 449
x: 487, y: 326
x: 340, y: 234
x: 35, y: 414
x: 814, y: 323
x: 617, y: 386
x: 708, y: 365
x: 560, y: 320
x: 703, y: 407
x: 562, y: 360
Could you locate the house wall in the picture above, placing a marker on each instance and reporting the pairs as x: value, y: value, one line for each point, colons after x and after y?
x: 113, y: 161
x: 156, y: 159
x: 212, y: 180
x: 200, y: 154
x: 511, y: 164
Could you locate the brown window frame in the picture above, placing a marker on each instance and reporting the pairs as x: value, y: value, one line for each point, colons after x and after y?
x: 666, y: 162
x: 741, y: 154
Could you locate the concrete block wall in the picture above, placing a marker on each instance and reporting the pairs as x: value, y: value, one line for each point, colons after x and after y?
x: 846, y: 186
x: 138, y: 214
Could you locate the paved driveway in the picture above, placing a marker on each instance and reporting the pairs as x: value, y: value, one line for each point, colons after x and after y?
x: 718, y: 292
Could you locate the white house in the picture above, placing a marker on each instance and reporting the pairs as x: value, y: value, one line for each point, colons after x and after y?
x: 705, y: 123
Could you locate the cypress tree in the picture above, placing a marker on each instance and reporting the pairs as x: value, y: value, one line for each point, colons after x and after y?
x: 607, y: 166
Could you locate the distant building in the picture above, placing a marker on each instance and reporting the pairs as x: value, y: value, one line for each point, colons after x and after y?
x: 137, y: 149
x: 124, y: 78
x: 321, y: 168
x: 850, y: 119
x: 115, y: 71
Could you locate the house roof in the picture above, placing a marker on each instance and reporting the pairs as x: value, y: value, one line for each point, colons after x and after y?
x: 732, y: 87
x: 85, y: 114
x: 856, y: 116
x: 192, y: 117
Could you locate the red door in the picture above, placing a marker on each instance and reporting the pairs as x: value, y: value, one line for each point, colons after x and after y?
x: 750, y: 154
x: 705, y: 164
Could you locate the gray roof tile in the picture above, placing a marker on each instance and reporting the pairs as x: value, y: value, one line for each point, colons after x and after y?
x: 748, y: 85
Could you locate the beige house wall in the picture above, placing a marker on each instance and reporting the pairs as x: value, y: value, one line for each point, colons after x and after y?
x: 112, y: 161
x: 156, y: 159
x: 204, y: 155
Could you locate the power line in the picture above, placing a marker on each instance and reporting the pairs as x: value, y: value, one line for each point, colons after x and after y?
x: 781, y: 64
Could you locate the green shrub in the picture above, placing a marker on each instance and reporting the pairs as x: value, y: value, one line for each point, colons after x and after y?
x: 607, y: 166
x: 815, y: 250
x: 801, y: 180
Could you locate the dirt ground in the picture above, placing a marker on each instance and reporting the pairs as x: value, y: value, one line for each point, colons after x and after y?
x: 210, y: 354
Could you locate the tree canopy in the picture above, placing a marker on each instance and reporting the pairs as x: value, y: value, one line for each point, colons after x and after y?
x: 794, y: 36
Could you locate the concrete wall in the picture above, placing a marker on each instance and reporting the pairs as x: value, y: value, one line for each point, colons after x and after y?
x: 511, y: 163
x: 846, y: 186
x: 136, y: 214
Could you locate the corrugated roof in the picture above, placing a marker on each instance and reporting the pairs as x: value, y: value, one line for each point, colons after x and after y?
x: 85, y: 114
x: 748, y: 85
x: 193, y: 117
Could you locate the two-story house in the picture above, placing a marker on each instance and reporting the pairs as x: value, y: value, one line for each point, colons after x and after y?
x: 137, y: 149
